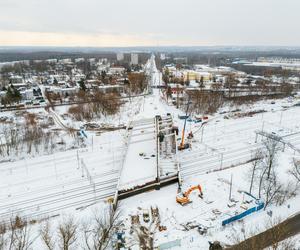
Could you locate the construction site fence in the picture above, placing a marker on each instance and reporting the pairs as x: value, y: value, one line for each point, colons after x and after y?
x: 242, y: 215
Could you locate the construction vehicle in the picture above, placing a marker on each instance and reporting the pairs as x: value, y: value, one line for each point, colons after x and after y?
x: 183, y: 198
x: 183, y: 145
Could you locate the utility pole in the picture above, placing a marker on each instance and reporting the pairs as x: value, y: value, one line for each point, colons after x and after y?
x: 230, y: 188
x: 177, y: 99
x: 202, y: 126
x: 252, y: 177
x: 82, y: 165
x: 55, y: 165
x: 263, y: 125
x: 202, y: 133
x: 221, y: 161
x: 78, y: 164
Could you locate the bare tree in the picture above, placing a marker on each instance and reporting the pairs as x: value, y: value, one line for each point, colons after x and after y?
x: 67, y: 233
x: 98, y: 232
x: 255, y: 164
x: 271, y: 188
x: 269, y: 152
x: 47, y: 235
x: 144, y: 235
x: 274, y: 233
x: 271, y: 148
x: 295, y: 172
x: 3, y: 240
x: 205, y: 102
x: 20, y: 237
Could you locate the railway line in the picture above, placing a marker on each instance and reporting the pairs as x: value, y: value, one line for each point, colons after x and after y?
x: 56, y: 197
x: 62, y: 182
x: 223, y: 148
x: 59, y: 183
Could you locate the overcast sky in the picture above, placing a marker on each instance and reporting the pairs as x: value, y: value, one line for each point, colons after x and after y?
x: 149, y: 22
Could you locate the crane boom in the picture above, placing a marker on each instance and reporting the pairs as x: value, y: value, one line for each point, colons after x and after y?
x: 183, y: 130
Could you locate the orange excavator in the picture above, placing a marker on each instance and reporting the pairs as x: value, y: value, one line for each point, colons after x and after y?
x: 183, y: 198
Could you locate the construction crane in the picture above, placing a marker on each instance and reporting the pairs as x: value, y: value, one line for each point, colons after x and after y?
x: 182, y: 145
x: 183, y: 198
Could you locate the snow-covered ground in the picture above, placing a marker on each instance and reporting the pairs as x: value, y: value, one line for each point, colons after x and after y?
x: 209, y: 211
x: 139, y: 165
x: 63, y: 182
x: 47, y: 185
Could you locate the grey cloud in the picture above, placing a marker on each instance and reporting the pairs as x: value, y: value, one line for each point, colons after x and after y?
x: 241, y: 22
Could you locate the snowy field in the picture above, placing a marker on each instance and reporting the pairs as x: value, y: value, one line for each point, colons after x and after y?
x: 76, y: 181
x: 209, y: 211
x: 230, y: 142
x: 46, y: 185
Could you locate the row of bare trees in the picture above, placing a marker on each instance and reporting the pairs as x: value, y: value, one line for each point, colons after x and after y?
x: 274, y: 233
x: 264, y: 175
x: 98, y: 233
x: 137, y: 83
x: 205, y: 102
x: 16, y: 235
x: 100, y: 105
x: 29, y: 137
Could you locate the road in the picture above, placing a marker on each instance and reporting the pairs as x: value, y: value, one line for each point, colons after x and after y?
x: 283, y: 230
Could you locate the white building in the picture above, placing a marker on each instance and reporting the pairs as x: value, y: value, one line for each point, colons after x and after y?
x: 51, y: 60
x: 102, y: 67
x: 117, y: 70
x: 120, y: 56
x: 78, y: 77
x: 78, y: 60
x: 64, y: 91
x: 27, y: 94
x: 134, y: 59
x: 92, y: 60
x: 103, y: 61
x: 65, y: 61
x: 16, y: 79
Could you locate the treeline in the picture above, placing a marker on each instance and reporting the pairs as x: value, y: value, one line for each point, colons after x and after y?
x: 204, y: 102
x: 209, y: 101
x: 265, y: 71
x: 44, y: 55
x: 97, y: 106
x: 12, y: 96
x: 99, y: 232
x: 31, y: 137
